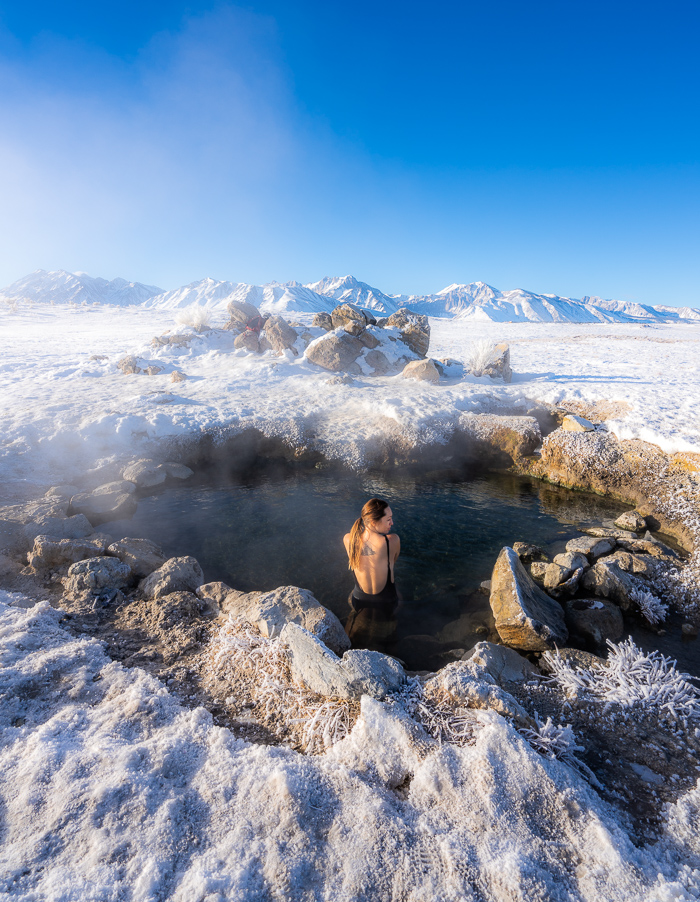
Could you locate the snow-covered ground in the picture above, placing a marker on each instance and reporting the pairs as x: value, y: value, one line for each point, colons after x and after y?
x: 62, y: 410
x: 113, y: 791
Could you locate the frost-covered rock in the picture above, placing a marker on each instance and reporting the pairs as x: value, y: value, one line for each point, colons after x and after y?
x: 572, y: 423
x: 568, y: 587
x: 594, y: 620
x: 359, y: 672
x: 178, y: 574
x: 424, y: 370
x: 571, y: 560
x: 590, y: 546
x: 248, y: 340
x: 322, y: 320
x: 607, y: 580
x: 472, y: 685
x: 503, y: 664
x: 241, y: 312
x: 525, y: 616
x: 177, y: 471
x: 129, y: 365
x: 414, y: 329
x: 74, y: 527
x: 632, y: 521
x: 103, y: 506
x: 141, y: 555
x: 336, y: 352
x: 280, y: 334
x: 270, y: 612
x: 94, y: 576
x: 145, y: 473
x: 517, y: 437
x: 349, y: 318
x: 49, y: 552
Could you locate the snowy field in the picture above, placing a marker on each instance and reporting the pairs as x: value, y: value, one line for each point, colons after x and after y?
x: 115, y: 792
x: 62, y: 411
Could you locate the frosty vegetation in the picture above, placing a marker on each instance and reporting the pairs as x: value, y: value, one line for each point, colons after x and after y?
x: 195, y: 317
x: 630, y: 677
x: 479, y: 355
x: 653, y: 609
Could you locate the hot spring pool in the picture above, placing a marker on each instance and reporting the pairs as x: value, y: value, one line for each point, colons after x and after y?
x: 274, y: 530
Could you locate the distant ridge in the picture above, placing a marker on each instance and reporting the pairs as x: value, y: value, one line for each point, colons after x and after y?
x: 476, y: 300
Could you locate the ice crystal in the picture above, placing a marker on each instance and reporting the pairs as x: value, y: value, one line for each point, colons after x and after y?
x: 556, y: 741
x: 480, y: 354
x: 652, y: 608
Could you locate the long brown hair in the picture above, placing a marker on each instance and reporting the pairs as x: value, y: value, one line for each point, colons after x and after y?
x: 373, y: 511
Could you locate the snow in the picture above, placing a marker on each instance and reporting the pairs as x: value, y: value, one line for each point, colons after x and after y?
x: 113, y: 791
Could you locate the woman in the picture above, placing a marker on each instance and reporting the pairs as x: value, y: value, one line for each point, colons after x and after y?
x: 372, y: 552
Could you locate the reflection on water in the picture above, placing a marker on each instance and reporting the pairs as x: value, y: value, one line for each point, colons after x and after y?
x: 266, y: 533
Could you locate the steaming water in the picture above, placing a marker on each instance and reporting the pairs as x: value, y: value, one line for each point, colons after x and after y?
x: 271, y: 531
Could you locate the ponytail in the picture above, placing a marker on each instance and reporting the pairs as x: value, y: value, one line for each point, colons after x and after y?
x: 371, y: 512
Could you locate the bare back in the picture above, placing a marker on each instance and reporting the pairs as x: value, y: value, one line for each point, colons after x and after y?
x: 371, y: 575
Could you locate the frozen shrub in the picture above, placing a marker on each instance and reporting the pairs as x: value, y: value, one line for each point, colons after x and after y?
x: 195, y: 317
x: 652, y: 608
x: 480, y: 353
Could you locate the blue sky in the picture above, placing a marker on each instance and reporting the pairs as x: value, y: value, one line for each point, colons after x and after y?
x: 548, y: 146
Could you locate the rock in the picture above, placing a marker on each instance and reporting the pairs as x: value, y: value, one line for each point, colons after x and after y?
x: 349, y: 318
x: 525, y: 616
x: 414, y: 329
x: 344, y: 379
x: 270, y: 612
x: 178, y: 574
x: 607, y: 580
x: 145, y: 473
x: 604, y: 532
x: 689, y: 630
x: 247, y: 340
x: 590, y: 546
x: 485, y: 587
x: 129, y: 365
x: 360, y: 672
x: 555, y: 574
x: 568, y: 587
x: 517, y: 437
x: 379, y: 362
x: 61, y: 492
x: 425, y: 370
x: 177, y: 620
x: 241, y: 313
x: 177, y: 471
x: 574, y: 657
x: 470, y: 683
x: 571, y: 560
x: 101, y: 507
x: 153, y: 370
x: 572, y: 423
x: 503, y: 664
x: 49, y: 552
x: 280, y: 334
x: 631, y: 521
x: 177, y: 376
x: 59, y: 527
x: 336, y: 352
x: 120, y: 487
x: 322, y: 321
x: 94, y: 576
x: 527, y: 552
x: 141, y: 555
x: 641, y: 564
x: 498, y: 364
x: 594, y: 620
x: 538, y: 570
x: 369, y: 339
x: 652, y: 548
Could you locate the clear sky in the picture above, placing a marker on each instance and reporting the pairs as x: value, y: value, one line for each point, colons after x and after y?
x: 552, y: 146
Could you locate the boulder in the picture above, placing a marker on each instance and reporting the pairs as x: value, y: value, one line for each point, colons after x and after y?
x: 575, y: 657
x: 517, y: 437
x: 120, y: 487
x: 369, y: 339
x: 572, y: 560
x: 49, y: 552
x: 280, y: 334
x: 241, y: 313
x: 336, y: 352
x: 322, y: 321
x: 604, y: 532
x: 177, y: 376
x: 538, y: 570
x: 424, y: 370
x: 497, y: 366
x: 59, y: 527
x: 591, y: 547
x: 528, y: 552
x: 503, y: 664
x: 145, y: 473
x: 94, y: 576
x: 141, y: 555
x: 572, y: 423
x: 568, y: 587
x: 349, y: 318
x: 270, y: 612
x: 414, y: 329
x: 178, y: 574
x: 247, y: 340
x: 101, y: 507
x: 61, y: 492
x: 631, y: 521
x: 594, y: 620
x: 177, y: 471
x: 652, y: 548
x: 641, y: 564
x: 607, y: 580
x: 359, y: 672
x: 469, y: 683
x: 555, y: 574
x: 525, y: 616
x: 129, y: 365
x: 379, y: 362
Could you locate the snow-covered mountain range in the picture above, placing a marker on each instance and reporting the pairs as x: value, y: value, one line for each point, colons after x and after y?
x: 477, y: 300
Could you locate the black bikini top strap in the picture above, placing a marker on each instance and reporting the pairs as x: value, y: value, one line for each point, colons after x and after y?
x: 388, y: 557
